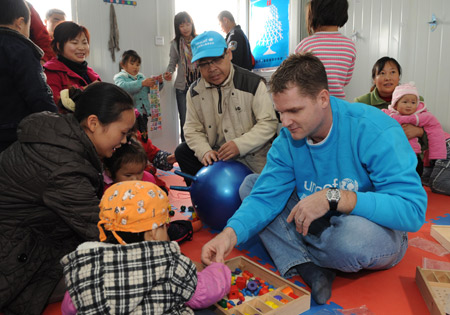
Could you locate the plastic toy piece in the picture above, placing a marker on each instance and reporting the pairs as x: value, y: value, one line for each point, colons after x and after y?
x: 287, y: 290
x: 182, y: 208
x: 171, y: 213
x: 241, y: 283
x: 191, y: 209
x: 271, y: 304
x: 234, y: 293
x: 263, y: 291
x: 252, y: 285
x: 292, y: 295
x: 222, y: 303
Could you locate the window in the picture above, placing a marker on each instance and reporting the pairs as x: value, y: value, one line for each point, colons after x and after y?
x: 204, y: 13
x: 42, y: 6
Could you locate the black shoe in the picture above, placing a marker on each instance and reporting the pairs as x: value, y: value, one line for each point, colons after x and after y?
x: 318, y: 279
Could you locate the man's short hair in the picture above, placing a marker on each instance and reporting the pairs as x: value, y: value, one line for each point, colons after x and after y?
x: 11, y: 10
x: 226, y: 14
x: 303, y: 70
x: 50, y: 12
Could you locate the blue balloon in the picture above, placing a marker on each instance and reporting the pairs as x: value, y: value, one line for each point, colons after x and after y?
x: 215, y: 191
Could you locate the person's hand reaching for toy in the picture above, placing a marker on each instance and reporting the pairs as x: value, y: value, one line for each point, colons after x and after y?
x: 149, y: 82
x: 219, y: 247
x: 210, y: 157
x: 167, y: 76
x: 171, y: 159
x: 228, y: 151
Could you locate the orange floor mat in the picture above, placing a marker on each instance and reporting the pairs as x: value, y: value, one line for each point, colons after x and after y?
x: 386, y: 292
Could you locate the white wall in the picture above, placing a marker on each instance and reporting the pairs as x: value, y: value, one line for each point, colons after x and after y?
x: 138, y: 26
x: 399, y: 29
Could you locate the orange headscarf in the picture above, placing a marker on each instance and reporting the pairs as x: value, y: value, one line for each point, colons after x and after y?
x: 132, y: 206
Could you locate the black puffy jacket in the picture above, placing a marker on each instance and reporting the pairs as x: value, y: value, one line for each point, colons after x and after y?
x: 50, y: 185
x: 23, y: 86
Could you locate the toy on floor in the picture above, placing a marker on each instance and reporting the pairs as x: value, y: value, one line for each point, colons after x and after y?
x: 215, y: 191
x: 256, y: 290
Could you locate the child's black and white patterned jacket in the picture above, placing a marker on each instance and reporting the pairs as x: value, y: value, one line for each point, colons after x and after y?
x: 140, y: 278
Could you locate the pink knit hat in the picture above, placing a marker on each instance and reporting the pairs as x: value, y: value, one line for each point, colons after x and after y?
x: 401, y: 90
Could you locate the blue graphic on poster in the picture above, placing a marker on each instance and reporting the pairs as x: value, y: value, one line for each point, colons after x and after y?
x: 269, y: 32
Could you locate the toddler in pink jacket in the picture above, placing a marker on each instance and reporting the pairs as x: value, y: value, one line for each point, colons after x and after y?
x: 406, y: 108
x: 143, y: 272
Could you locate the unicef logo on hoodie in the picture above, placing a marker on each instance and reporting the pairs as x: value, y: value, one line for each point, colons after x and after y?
x: 348, y: 184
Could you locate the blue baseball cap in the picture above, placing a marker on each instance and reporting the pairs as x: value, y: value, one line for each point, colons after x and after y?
x: 207, y: 44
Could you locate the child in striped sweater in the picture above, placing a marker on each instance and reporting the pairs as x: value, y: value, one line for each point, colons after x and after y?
x: 337, y: 52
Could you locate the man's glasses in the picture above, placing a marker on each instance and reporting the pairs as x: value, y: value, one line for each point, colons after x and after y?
x: 214, y: 61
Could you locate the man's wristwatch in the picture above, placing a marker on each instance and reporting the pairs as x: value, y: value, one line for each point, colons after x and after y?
x: 333, y: 196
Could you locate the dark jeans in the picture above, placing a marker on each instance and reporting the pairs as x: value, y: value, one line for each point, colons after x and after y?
x: 181, y: 103
x: 419, y: 167
x: 187, y: 161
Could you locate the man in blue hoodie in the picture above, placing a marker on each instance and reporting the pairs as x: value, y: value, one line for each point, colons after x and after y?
x: 346, y: 191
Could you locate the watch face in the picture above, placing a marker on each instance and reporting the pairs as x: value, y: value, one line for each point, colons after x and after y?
x: 333, y: 194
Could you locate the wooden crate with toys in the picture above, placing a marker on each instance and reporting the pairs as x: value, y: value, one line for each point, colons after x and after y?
x: 434, y: 285
x: 256, y: 290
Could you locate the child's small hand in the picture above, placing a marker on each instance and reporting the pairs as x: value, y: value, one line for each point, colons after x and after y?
x: 159, y: 78
x: 168, y: 76
x: 171, y: 159
x: 149, y: 82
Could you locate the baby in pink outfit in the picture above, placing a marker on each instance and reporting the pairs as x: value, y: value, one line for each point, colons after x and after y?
x: 407, y: 108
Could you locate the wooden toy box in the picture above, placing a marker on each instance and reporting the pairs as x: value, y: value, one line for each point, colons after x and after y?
x: 257, y: 304
x: 434, y: 285
x: 442, y: 234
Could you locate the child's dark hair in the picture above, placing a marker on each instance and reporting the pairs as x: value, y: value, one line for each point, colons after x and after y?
x: 129, y: 56
x: 326, y: 12
x: 105, y: 100
x: 180, y: 18
x: 130, y: 152
x: 379, y: 65
x: 10, y: 10
x: 64, y: 32
x: 128, y: 237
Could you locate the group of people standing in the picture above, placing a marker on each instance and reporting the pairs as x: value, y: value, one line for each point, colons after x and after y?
x: 337, y: 189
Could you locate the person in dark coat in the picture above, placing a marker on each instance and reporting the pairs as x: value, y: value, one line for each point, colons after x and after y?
x: 23, y: 89
x: 236, y: 40
x: 50, y: 186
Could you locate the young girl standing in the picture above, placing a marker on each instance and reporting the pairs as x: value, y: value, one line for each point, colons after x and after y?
x: 337, y: 52
x: 145, y: 272
x: 181, y: 56
x: 134, y: 82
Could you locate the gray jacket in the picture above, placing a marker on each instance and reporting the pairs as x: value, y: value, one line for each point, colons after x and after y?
x: 247, y: 117
x: 175, y: 63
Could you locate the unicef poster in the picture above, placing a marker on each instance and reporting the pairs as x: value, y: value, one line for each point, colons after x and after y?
x: 269, y: 32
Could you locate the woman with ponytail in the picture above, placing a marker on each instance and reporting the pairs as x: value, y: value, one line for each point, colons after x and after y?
x: 50, y: 188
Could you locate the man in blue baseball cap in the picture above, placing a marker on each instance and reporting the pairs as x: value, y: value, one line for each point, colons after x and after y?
x: 229, y: 114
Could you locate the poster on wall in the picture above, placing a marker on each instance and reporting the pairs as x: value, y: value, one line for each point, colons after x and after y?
x: 155, y: 108
x: 269, y: 32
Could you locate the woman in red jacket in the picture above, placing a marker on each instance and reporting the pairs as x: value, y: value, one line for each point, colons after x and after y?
x: 69, y: 68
